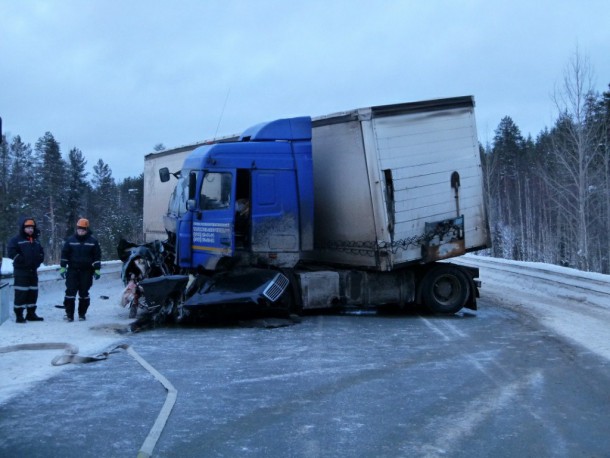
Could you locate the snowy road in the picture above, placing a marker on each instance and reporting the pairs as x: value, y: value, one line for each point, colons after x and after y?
x: 574, y: 304
x: 494, y: 384
x: 525, y: 375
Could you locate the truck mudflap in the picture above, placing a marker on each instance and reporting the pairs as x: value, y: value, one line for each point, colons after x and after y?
x: 261, y: 287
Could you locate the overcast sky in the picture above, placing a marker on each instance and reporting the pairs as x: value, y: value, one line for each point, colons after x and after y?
x: 114, y: 78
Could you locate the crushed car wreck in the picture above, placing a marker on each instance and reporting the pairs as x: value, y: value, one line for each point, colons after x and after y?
x: 155, y: 295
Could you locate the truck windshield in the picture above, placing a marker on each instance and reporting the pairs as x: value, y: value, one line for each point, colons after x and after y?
x: 177, y: 201
x: 215, y: 191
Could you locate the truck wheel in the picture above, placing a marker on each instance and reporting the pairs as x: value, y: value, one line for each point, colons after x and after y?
x: 445, y: 289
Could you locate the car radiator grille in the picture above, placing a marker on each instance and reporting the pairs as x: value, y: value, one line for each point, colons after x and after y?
x: 276, y: 288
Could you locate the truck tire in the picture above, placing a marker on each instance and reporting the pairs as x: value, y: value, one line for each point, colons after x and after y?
x: 445, y: 289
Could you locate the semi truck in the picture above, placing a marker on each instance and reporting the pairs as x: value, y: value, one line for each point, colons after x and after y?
x: 357, y: 209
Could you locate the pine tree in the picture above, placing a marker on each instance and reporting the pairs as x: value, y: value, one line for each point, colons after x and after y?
x: 6, y: 222
x: 52, y: 194
x: 598, y: 127
x: 78, y: 189
x: 22, y: 180
x: 507, y: 153
x: 548, y: 233
x: 131, y: 198
x: 105, y: 217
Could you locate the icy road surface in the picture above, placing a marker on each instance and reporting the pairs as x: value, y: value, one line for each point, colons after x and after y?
x: 489, y: 383
x: 572, y: 303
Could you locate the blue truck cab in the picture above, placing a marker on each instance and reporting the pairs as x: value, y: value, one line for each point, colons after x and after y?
x: 248, y: 201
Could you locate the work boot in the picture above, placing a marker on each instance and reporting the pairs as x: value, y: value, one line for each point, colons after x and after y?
x: 69, y: 306
x: 19, y: 315
x: 31, y: 315
x: 81, y: 318
x: 83, y: 305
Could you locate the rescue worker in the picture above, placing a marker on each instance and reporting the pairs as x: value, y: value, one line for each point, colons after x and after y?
x: 81, y: 254
x: 27, y: 254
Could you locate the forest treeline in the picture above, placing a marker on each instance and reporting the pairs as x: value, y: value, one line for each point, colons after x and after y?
x: 548, y: 198
x: 38, y: 182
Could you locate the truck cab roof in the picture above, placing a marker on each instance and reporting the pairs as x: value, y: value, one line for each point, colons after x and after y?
x: 264, y: 145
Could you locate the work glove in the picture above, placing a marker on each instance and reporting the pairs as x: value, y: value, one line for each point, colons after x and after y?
x: 96, y: 274
x: 62, y: 273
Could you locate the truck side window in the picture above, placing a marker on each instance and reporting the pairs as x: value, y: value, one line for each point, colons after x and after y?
x: 215, y: 191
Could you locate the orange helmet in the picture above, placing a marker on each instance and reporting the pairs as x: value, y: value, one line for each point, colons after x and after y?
x: 83, y: 223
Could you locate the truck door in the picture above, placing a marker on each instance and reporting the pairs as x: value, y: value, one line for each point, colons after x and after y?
x: 213, y: 220
x: 178, y: 221
x: 275, y: 212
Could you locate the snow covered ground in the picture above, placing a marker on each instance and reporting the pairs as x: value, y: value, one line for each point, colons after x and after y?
x: 19, y: 370
x: 574, y: 304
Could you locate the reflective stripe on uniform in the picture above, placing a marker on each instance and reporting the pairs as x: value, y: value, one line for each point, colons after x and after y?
x: 26, y: 288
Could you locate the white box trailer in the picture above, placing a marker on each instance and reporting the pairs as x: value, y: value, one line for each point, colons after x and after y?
x: 381, y: 174
x: 156, y: 193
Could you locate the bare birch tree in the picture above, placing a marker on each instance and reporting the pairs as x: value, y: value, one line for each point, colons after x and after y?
x: 574, y: 150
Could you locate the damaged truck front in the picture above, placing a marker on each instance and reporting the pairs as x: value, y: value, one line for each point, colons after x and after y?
x: 354, y: 209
